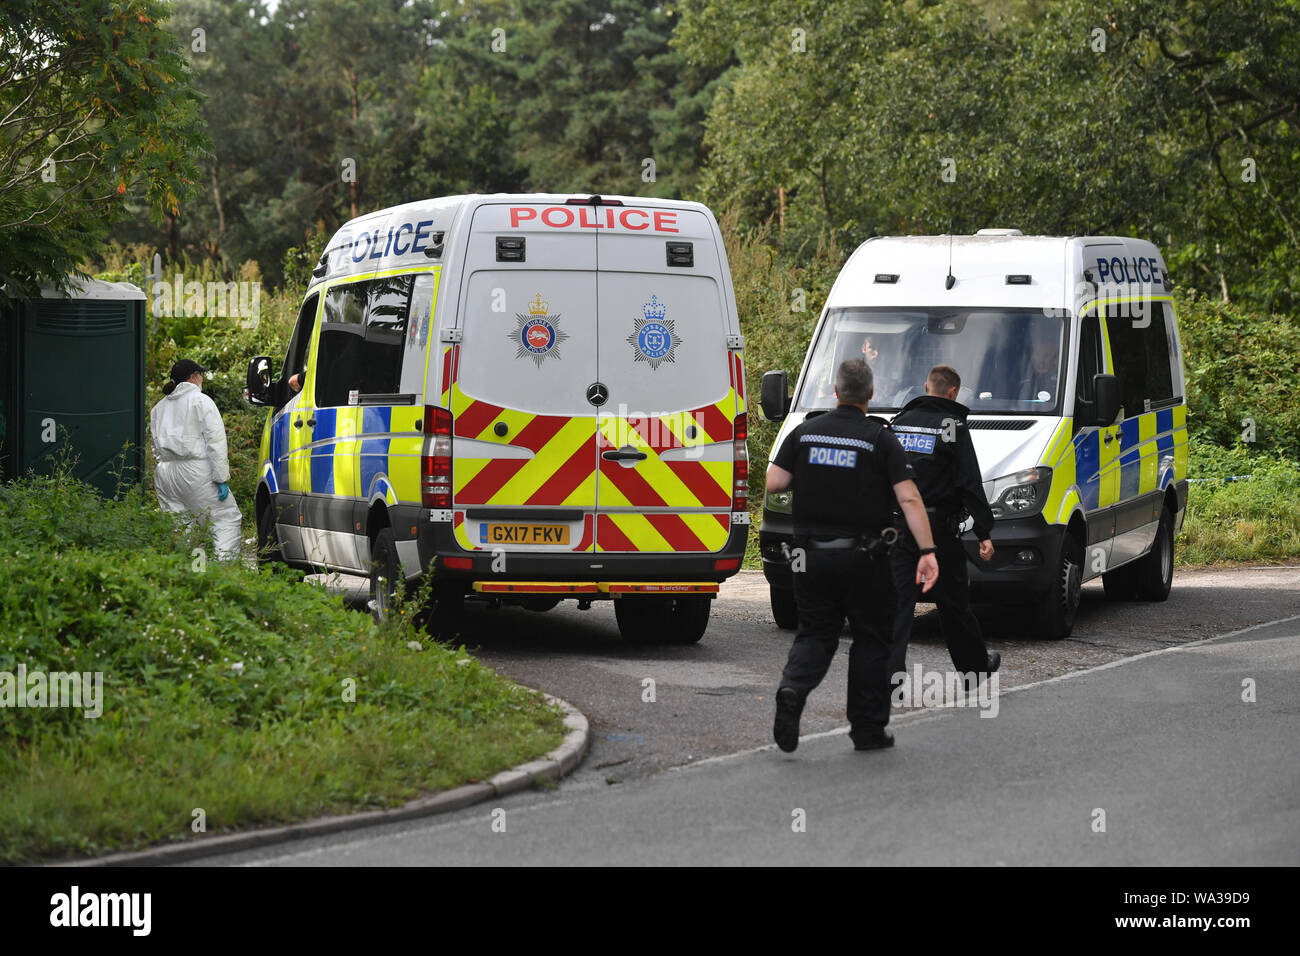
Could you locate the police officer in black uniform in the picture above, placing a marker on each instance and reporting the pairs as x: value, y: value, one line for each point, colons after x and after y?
x: 847, y: 471
x: 933, y: 431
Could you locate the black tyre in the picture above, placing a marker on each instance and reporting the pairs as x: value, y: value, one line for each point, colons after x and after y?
x: 540, y: 604
x: 1153, y: 575
x: 268, y: 540
x: 1119, y: 584
x: 444, y: 619
x: 1058, y: 608
x: 784, y: 611
x: 688, y: 619
x: 662, y: 620
x: 385, y: 574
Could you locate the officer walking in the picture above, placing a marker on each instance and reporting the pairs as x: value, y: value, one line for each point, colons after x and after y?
x: 847, y: 471
x: 932, y: 429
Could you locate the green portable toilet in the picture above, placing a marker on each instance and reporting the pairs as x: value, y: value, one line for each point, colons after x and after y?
x: 72, y: 380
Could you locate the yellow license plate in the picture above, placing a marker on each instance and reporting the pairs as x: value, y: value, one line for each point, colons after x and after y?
x: 524, y: 534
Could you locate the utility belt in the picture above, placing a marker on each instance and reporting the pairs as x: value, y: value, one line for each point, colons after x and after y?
x: 871, y: 545
x: 944, y: 523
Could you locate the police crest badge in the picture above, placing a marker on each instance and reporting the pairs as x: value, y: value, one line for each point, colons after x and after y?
x: 654, y: 337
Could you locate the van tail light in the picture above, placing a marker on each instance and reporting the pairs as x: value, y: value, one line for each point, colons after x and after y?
x: 435, y: 465
x: 740, y: 454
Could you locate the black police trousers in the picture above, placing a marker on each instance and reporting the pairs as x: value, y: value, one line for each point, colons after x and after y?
x: 951, y: 593
x: 837, y: 584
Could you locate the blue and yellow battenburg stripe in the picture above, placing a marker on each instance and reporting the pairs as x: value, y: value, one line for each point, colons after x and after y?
x: 1148, y: 454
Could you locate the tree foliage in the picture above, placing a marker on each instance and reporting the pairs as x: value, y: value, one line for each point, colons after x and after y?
x: 1166, y: 119
x: 96, y: 109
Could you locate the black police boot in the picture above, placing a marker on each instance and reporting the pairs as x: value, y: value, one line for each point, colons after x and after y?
x: 871, y: 739
x: 785, y: 729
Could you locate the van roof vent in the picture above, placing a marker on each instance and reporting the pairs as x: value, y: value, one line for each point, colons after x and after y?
x: 999, y: 232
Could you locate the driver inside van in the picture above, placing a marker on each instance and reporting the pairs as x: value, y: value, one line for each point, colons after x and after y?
x: 1039, y: 384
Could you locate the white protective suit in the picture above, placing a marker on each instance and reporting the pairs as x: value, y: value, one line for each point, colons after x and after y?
x: 189, y: 444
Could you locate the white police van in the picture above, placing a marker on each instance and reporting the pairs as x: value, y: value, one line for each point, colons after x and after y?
x: 1072, y: 368
x: 531, y: 397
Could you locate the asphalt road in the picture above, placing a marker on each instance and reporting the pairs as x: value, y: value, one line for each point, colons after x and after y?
x: 1185, y: 771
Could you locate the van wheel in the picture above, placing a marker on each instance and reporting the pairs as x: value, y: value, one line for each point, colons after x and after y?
x: 1119, y: 584
x: 1060, y: 605
x: 689, y: 619
x: 662, y: 620
x: 1153, y: 575
x: 784, y: 611
x: 268, y: 540
x: 642, y: 620
x: 385, y: 575
x: 444, y: 617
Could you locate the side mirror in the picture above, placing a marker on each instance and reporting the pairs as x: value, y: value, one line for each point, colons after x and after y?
x: 1106, y: 389
x: 775, y: 396
x: 257, y: 386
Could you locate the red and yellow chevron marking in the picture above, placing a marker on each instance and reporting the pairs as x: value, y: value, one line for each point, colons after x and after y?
x: 562, y: 470
x: 565, y: 459
x: 656, y: 483
x: 738, y: 380
x: 662, y: 532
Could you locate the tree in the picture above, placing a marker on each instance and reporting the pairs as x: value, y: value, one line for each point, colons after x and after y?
x: 896, y: 117
x: 96, y: 108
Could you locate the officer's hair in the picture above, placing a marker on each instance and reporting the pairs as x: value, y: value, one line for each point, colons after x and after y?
x: 942, y: 378
x: 854, y: 382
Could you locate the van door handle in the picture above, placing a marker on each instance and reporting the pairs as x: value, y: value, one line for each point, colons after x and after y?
x: 297, y: 423
x: 619, y: 455
x: 1109, y: 437
x: 311, y: 422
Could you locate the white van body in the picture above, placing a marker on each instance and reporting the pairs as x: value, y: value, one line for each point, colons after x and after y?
x: 1028, y: 322
x: 532, y: 397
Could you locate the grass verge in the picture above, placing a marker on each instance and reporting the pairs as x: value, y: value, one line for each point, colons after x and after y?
x: 1232, y: 518
x: 247, y: 695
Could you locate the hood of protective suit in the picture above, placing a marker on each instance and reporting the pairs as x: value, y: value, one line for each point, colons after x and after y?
x: 186, y: 426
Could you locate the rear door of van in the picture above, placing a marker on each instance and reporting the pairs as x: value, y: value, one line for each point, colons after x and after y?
x: 524, y: 432
x: 666, y: 427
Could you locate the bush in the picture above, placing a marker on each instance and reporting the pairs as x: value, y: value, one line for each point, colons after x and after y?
x: 223, y: 687
x: 1240, y: 365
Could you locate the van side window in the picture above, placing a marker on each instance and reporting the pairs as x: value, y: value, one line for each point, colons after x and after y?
x: 417, y: 333
x: 361, y: 339
x: 1089, y: 358
x: 295, y: 357
x: 1139, y: 346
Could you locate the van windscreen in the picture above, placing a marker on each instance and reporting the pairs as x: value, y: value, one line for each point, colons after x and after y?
x: 1009, y: 360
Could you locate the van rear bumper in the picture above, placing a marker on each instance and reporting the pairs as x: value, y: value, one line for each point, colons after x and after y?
x: 1008, y: 578
x: 438, y: 543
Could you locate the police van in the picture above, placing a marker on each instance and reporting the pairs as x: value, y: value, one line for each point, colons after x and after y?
x: 1071, y: 366
x: 529, y: 397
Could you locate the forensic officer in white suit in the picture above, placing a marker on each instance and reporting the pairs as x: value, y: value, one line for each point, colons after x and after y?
x: 193, y: 470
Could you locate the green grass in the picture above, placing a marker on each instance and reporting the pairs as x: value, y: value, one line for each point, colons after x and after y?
x: 1253, y: 521
x: 92, y: 585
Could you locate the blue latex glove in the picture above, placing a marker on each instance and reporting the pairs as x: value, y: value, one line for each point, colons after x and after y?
x: 223, y: 491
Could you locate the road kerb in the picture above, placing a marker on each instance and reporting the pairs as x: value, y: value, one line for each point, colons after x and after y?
x: 558, y: 763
